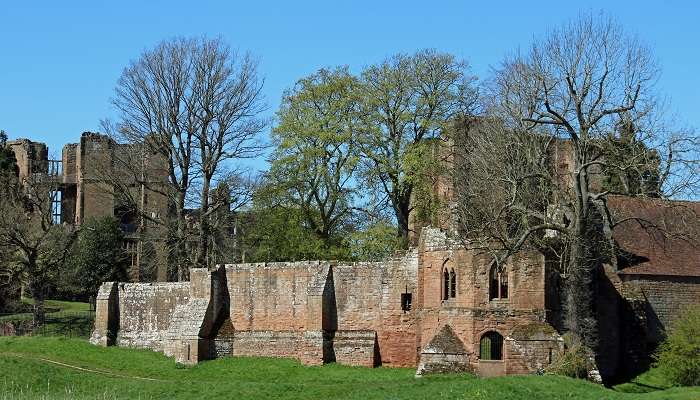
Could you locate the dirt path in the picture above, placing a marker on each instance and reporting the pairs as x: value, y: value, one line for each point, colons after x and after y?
x: 75, y: 367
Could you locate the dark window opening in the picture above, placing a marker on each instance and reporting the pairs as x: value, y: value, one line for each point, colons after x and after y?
x: 406, y: 300
x: 498, y: 283
x: 445, y: 284
x: 491, y: 346
x: 128, y: 221
x: 449, y: 283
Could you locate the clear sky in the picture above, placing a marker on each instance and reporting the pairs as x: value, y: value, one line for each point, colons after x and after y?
x: 60, y: 60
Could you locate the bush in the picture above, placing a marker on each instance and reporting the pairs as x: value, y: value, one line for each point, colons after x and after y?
x: 10, y: 298
x: 679, y: 355
x: 96, y: 256
x: 575, y: 362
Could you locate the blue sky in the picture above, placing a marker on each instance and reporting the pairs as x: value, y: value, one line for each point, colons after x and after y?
x: 59, y: 61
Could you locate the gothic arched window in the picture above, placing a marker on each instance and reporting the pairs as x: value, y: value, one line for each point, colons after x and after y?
x: 453, y: 283
x: 498, y: 283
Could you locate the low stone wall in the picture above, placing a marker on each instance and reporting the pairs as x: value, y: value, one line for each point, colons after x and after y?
x: 16, y: 328
x: 355, y: 348
x: 146, y: 310
x: 266, y: 343
x: 438, y: 363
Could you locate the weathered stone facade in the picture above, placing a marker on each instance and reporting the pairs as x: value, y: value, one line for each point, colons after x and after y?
x: 368, y: 314
x: 437, y: 307
x: 87, y: 181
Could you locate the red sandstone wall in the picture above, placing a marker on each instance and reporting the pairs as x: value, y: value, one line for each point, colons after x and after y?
x: 470, y: 313
x: 270, y: 299
x: 368, y: 297
x: 272, y: 296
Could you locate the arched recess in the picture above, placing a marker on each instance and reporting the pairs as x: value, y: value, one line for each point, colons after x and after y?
x: 498, y: 283
x: 491, y: 346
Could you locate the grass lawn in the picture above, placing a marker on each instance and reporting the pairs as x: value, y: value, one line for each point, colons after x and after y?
x: 70, y: 318
x: 63, y: 306
x: 29, y: 368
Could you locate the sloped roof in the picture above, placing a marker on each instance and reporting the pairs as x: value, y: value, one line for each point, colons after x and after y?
x: 445, y: 342
x: 657, y: 237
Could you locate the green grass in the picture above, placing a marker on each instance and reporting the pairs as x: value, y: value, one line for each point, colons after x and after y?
x: 62, y: 306
x: 59, y: 305
x: 650, y: 381
x: 71, y: 318
x: 116, y: 373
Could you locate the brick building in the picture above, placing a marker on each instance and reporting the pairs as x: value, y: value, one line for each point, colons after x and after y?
x: 90, y: 180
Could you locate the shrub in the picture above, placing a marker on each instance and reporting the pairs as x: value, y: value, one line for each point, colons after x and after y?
x: 96, y: 257
x: 679, y: 355
x: 575, y: 362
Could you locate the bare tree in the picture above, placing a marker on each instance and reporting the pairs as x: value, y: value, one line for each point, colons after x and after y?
x: 196, y: 104
x: 570, y: 122
x: 229, y: 102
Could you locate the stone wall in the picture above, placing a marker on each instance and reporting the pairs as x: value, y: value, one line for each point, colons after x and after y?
x: 470, y: 313
x: 273, y: 296
x: 146, y: 310
x: 346, y: 306
x: 667, y: 297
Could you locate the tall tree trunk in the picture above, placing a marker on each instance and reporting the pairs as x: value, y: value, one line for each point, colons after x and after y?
x: 402, y: 210
x: 36, y: 290
x: 580, y: 318
x: 203, y: 247
x: 181, y: 238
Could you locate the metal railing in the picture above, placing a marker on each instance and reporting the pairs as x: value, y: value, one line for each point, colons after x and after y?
x: 62, y: 323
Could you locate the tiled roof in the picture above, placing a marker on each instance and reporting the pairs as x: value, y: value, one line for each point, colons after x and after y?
x: 657, y: 237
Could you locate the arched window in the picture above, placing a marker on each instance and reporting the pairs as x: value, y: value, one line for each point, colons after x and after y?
x: 491, y: 346
x: 445, y: 284
x: 453, y: 283
x: 498, y: 283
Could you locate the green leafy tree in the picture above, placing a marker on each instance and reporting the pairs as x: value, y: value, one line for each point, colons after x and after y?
x: 316, y: 156
x: 8, y: 163
x: 279, y: 234
x: 97, y: 256
x: 9, y: 285
x: 679, y: 354
x: 376, y: 242
x: 406, y: 100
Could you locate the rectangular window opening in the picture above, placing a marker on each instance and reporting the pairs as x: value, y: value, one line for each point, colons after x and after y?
x: 406, y: 300
x: 56, y: 209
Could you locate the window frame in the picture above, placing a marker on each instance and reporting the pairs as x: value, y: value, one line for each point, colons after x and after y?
x: 498, y: 283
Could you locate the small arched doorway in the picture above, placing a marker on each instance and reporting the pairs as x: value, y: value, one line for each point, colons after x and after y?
x: 491, y: 346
